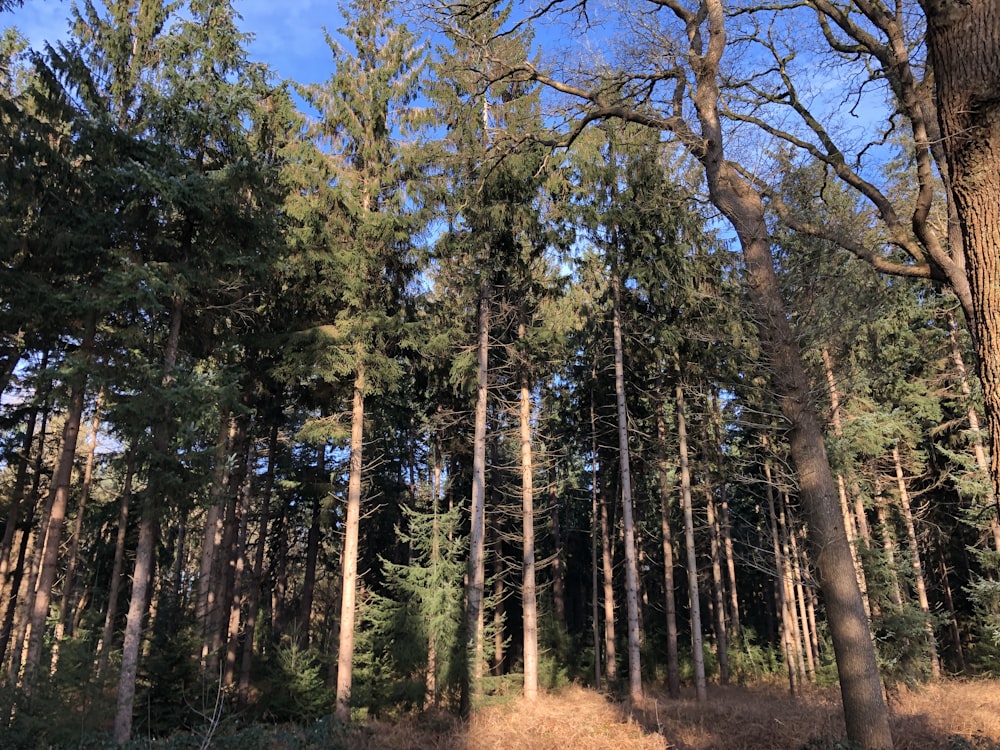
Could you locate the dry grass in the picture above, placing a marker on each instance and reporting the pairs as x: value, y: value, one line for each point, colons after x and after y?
x: 762, y: 717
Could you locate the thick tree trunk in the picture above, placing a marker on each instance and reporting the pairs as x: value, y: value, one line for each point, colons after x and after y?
x: 697, y: 654
x: 349, y: 578
x: 528, y: 539
x: 628, y: 523
x: 963, y: 39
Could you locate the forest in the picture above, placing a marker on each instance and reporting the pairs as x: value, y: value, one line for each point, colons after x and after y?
x: 642, y: 349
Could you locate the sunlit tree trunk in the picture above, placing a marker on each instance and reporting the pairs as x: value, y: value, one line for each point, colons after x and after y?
x: 888, y: 544
x: 698, y: 655
x: 348, y: 605
x: 718, y: 586
x: 528, y: 540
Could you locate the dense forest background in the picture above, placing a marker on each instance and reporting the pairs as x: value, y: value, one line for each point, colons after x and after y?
x: 406, y: 388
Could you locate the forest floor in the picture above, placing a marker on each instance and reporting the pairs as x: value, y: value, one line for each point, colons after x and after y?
x: 952, y: 715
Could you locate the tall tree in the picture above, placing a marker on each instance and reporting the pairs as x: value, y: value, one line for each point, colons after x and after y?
x: 362, y: 108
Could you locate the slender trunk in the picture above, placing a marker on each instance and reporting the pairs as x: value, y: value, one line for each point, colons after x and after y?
x: 781, y: 585
x: 304, y: 634
x: 144, y: 555
x: 114, y: 586
x: 65, y: 619
x: 594, y: 537
x: 240, y: 586
x: 915, y: 564
x: 697, y: 654
x: 796, y: 626
x: 558, y: 574
x: 725, y: 530
x: 496, y: 542
x: 20, y: 519
x: 888, y: 545
x: 628, y: 523
x: 257, y: 582
x: 809, y: 647
x: 718, y: 587
x: 477, y: 511
x: 209, y: 572
x: 670, y: 601
x: 57, y: 514
x: 528, y: 561
x: 345, y: 651
x: 956, y: 635
x: 608, y: 575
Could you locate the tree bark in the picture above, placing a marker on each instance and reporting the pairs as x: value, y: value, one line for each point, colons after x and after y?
x: 477, y: 512
x: 694, y: 601
x: 57, y: 514
x: 963, y: 39
x: 528, y: 540
x: 670, y: 601
x: 348, y: 605
x: 915, y: 563
x: 628, y: 523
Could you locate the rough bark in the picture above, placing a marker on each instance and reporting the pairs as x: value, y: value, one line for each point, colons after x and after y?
x: 963, y: 39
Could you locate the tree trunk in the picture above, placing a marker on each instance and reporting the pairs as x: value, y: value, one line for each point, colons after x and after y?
x: 963, y: 41
x: 888, y: 545
x: 209, y: 570
x: 628, y: 523
x: 718, y: 586
x: 64, y: 622
x: 348, y: 606
x: 144, y: 555
x: 594, y: 537
x: 257, y: 583
x: 114, y: 585
x: 781, y: 587
x: 915, y: 564
x: 528, y: 540
x: 670, y: 603
x: 697, y: 654
x: 558, y: 574
x: 477, y: 512
x: 57, y: 514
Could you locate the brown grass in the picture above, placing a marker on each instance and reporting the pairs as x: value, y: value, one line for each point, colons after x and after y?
x: 762, y: 717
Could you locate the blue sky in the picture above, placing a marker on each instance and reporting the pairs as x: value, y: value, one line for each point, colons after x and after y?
x: 288, y: 34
